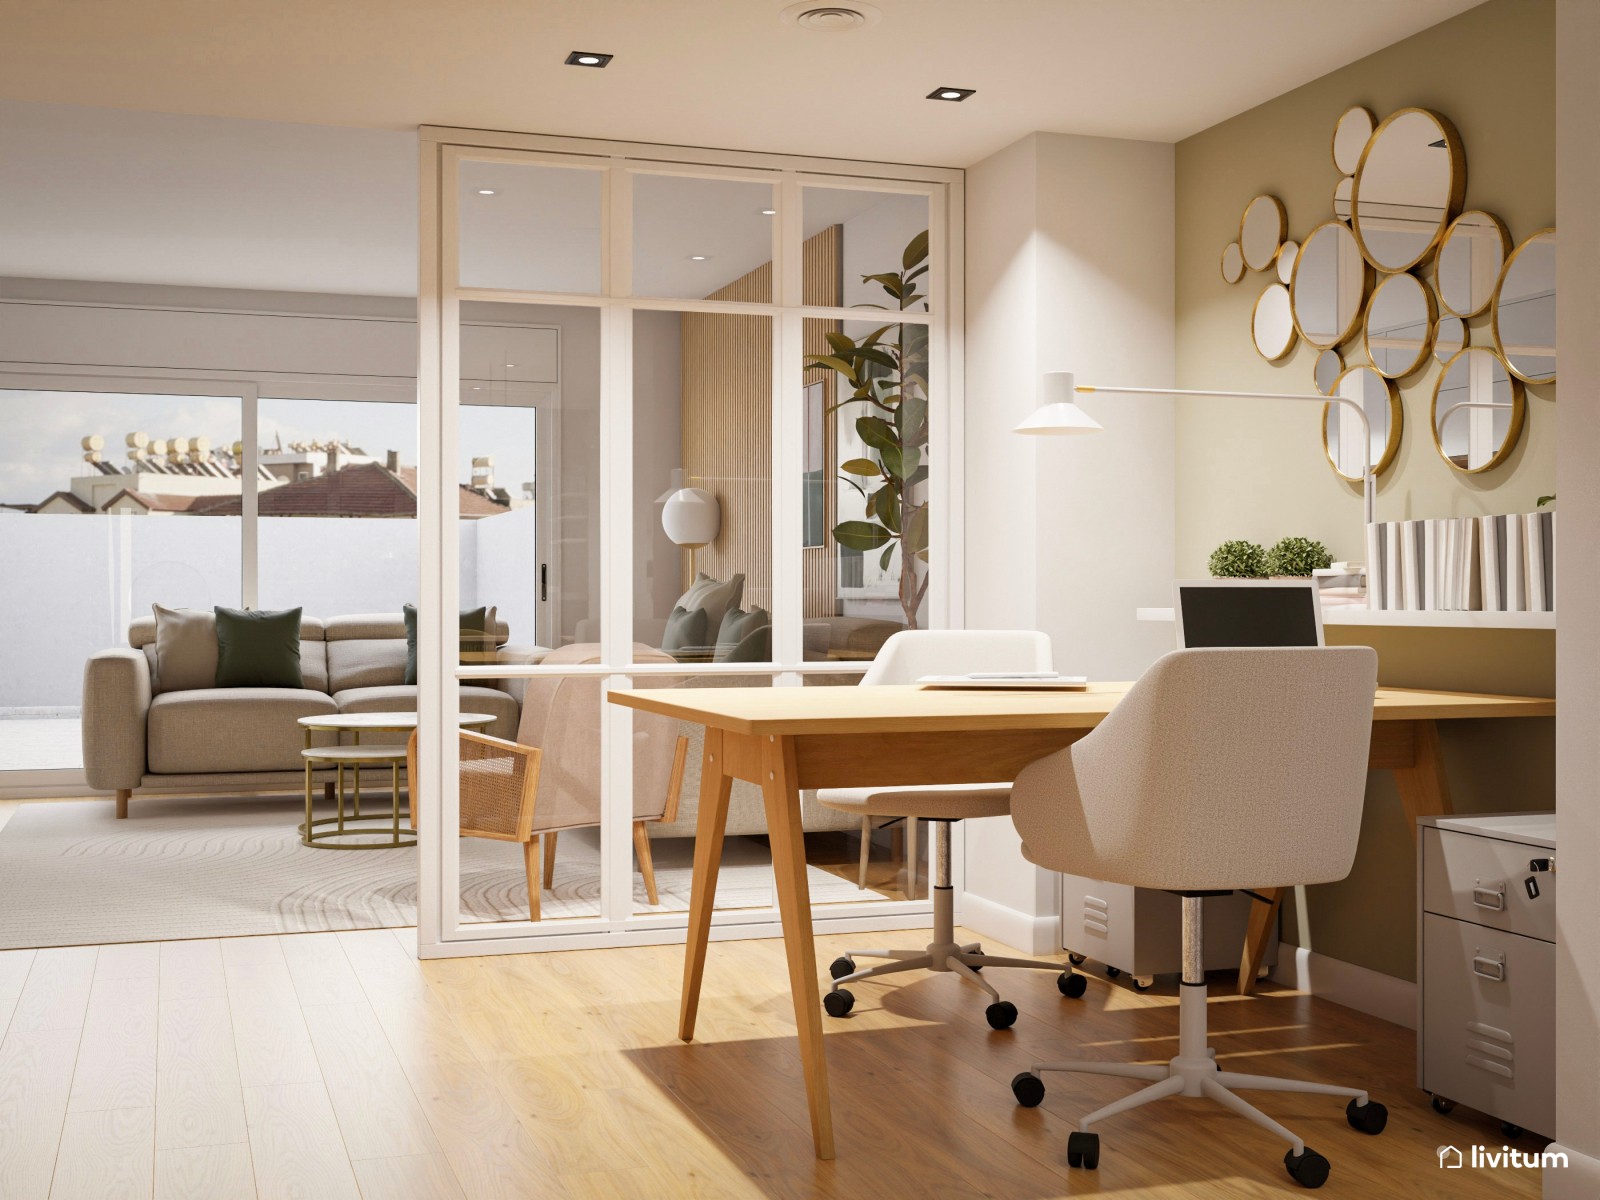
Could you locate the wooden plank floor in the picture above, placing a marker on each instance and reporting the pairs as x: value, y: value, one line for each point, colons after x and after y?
x: 335, y: 1065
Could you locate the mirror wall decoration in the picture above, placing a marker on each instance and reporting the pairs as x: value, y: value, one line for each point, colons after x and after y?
x: 1328, y: 285
x: 1399, y: 326
x: 1477, y: 411
x: 1470, y: 257
x: 1404, y: 262
x: 1272, y: 324
x: 1261, y: 231
x: 1341, y: 431
x: 1408, y: 187
x: 1524, y: 314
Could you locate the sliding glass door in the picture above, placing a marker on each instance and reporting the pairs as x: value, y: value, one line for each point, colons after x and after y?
x: 739, y: 470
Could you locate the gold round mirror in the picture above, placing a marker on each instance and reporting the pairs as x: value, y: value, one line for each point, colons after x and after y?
x: 1409, y: 184
x: 1399, y: 325
x: 1328, y: 284
x: 1470, y: 257
x: 1325, y: 373
x: 1449, y: 338
x: 1341, y: 197
x: 1341, y: 429
x: 1232, y: 263
x: 1261, y: 231
x: 1350, y: 138
x: 1477, y: 411
x: 1524, y: 315
x: 1272, y: 324
x: 1286, y: 257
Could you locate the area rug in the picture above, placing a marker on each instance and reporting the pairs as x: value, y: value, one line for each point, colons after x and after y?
x: 72, y: 875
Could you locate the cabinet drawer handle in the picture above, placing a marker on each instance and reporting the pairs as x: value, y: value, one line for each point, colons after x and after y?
x: 1489, y: 968
x: 1492, y: 898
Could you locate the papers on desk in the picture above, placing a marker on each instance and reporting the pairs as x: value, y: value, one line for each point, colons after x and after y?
x: 1009, y: 681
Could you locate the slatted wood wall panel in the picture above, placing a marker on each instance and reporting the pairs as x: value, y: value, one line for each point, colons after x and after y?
x: 727, y: 427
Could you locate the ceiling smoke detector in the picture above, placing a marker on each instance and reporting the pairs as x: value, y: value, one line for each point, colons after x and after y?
x: 831, y: 18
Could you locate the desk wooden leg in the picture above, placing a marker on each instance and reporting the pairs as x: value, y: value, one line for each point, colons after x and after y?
x: 1263, y: 916
x: 782, y: 796
x: 710, y: 825
x: 1424, y: 788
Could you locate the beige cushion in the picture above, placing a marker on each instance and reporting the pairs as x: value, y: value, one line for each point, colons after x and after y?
x: 952, y: 802
x: 186, y: 649
x: 142, y: 631
x: 716, y: 596
x: 231, y: 729
x: 402, y: 697
x: 366, y: 662
x: 314, y: 664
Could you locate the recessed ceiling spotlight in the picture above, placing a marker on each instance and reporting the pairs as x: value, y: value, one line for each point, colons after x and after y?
x: 949, y: 93
x: 698, y: 257
x: 587, y: 58
x: 485, y: 191
x: 769, y: 212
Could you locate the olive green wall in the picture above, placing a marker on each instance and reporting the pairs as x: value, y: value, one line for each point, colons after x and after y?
x: 1256, y: 469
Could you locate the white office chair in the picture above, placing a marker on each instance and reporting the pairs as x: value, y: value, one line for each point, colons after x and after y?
x: 905, y: 658
x: 1220, y: 770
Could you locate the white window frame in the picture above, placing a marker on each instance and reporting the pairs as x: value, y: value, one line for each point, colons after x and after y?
x: 441, y: 932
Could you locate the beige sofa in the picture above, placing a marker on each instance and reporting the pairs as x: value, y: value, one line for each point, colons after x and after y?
x: 227, y: 740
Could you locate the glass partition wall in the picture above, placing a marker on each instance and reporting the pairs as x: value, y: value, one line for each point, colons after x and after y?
x: 728, y: 409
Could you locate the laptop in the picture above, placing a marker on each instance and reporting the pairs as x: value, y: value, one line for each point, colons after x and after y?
x: 1230, y: 612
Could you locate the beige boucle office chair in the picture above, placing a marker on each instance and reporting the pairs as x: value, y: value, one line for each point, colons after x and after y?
x: 903, y: 659
x: 1221, y: 770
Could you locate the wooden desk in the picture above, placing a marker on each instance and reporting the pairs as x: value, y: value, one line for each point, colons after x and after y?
x: 786, y: 739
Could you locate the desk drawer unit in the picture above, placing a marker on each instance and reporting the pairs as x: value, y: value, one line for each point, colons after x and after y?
x: 1486, y: 966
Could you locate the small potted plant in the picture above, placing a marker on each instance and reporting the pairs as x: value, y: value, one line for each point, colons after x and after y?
x: 1238, y: 560
x: 1297, y: 558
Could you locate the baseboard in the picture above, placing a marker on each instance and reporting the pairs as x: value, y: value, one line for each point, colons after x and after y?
x: 1578, y: 1180
x: 1028, y: 933
x: 1364, y: 990
x: 42, y: 785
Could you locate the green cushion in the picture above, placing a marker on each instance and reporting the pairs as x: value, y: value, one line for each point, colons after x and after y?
x: 745, y: 636
x: 474, y: 625
x: 258, y: 649
x: 686, y: 629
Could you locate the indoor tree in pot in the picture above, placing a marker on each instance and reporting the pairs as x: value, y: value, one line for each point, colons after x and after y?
x: 887, y: 374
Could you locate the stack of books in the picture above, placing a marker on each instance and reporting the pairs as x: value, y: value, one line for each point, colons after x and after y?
x: 1502, y: 563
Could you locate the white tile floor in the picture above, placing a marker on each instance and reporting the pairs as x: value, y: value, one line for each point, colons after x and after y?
x: 43, y: 744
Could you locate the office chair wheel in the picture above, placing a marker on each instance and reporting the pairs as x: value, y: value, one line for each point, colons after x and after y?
x: 1083, y: 1150
x: 1144, y: 986
x: 1001, y: 1015
x: 1071, y: 984
x: 1076, y: 959
x: 1507, y: 1129
x: 1113, y: 972
x: 839, y: 1002
x: 840, y: 967
x: 1309, y: 1170
x: 1028, y: 1088
x: 1370, y: 1118
x: 1442, y: 1106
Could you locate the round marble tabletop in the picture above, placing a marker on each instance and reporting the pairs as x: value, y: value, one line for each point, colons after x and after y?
x: 383, y: 720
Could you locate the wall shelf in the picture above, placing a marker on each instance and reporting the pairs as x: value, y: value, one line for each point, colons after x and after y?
x: 1350, y: 615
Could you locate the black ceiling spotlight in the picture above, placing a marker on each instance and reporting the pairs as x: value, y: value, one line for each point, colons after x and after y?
x: 587, y: 58
x: 955, y: 95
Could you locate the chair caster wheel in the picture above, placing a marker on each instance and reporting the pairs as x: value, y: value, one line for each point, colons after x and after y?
x: 839, y: 1002
x: 1083, y: 1150
x: 1368, y: 1119
x: 1028, y: 1088
x: 1001, y: 1015
x: 1077, y: 960
x: 1072, y: 985
x: 1143, y: 984
x: 1507, y: 1129
x: 1309, y: 1170
x: 1442, y: 1106
x: 840, y: 967
x: 1112, y: 973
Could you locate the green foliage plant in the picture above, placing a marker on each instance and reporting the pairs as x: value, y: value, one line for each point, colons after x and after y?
x: 886, y: 373
x: 1298, y: 557
x: 1238, y: 560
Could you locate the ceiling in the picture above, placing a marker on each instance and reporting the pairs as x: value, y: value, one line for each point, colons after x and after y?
x: 723, y: 73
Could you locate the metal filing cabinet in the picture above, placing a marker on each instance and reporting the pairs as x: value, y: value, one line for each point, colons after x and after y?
x: 1139, y: 931
x: 1486, y: 961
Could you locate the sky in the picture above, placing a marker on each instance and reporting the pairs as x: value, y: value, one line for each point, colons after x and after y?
x: 41, y: 432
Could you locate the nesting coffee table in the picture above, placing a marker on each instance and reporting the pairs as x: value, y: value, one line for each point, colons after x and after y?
x: 341, y: 831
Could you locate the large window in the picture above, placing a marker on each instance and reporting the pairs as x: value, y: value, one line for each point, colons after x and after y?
x: 744, y: 478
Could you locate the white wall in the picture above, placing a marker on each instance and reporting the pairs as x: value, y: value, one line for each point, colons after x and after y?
x: 1578, y: 604
x: 1069, y: 267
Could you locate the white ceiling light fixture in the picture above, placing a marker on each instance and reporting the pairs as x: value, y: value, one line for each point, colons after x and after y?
x: 485, y: 191
x: 699, y: 257
x: 831, y: 18
x: 769, y: 212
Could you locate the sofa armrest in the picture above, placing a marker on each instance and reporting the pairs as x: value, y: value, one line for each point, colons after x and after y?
x: 116, y: 701
x: 522, y: 655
